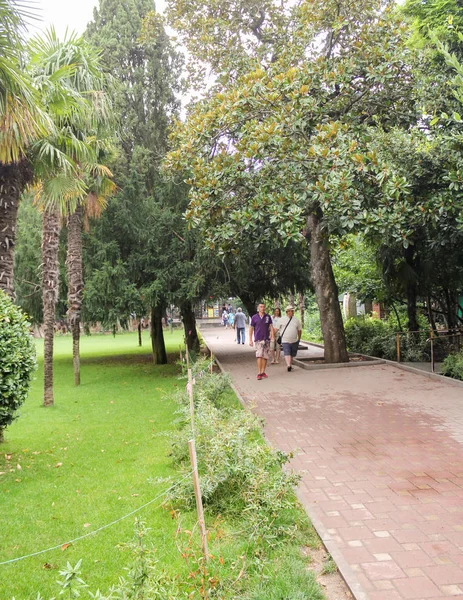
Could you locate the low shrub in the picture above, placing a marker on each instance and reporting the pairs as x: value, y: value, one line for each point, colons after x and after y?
x: 453, y: 366
x: 377, y: 337
x: 17, y: 360
x: 240, y: 475
x: 374, y: 337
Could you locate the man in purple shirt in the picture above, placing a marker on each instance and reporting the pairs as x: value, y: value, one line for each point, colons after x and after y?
x: 259, y: 333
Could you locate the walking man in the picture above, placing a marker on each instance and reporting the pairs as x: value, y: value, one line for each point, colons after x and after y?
x: 259, y: 332
x: 240, y: 326
x: 290, y: 330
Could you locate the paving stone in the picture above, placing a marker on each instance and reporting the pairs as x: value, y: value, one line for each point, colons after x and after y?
x: 381, y: 451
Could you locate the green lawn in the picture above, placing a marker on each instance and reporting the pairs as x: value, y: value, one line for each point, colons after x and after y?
x: 85, y: 462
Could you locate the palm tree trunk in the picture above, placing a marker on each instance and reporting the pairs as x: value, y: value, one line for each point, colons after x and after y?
x: 50, y: 281
x: 76, y: 284
x: 13, y: 179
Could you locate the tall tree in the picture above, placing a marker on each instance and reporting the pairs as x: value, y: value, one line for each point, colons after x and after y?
x: 284, y: 147
x: 76, y: 66
x: 22, y: 120
x: 136, y: 51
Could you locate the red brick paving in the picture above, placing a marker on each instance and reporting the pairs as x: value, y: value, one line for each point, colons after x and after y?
x: 381, y: 453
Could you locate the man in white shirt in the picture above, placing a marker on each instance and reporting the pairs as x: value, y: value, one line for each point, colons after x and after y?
x: 290, y: 330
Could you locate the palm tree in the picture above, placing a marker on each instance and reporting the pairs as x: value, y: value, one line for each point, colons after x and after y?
x: 22, y: 120
x: 101, y: 187
x: 68, y: 76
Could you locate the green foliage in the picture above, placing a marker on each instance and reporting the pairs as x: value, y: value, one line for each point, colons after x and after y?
x: 17, y: 360
x: 377, y: 337
x: 371, y: 336
x: 28, y: 261
x: 453, y: 366
x: 239, y: 474
x: 355, y: 268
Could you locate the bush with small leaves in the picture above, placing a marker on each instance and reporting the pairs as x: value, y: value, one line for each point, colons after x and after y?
x: 453, y: 366
x: 17, y: 360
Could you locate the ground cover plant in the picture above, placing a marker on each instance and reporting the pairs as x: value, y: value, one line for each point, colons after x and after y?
x: 453, y: 366
x: 111, y: 445
x: 87, y: 461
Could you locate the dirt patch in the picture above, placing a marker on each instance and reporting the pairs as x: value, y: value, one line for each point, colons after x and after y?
x: 327, y: 574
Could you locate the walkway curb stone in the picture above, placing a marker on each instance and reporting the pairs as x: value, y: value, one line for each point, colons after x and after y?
x: 381, y: 456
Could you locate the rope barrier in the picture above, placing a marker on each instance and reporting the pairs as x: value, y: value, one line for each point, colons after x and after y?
x: 81, y: 537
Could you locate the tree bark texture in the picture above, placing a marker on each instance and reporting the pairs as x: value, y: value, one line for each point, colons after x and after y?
x: 140, y: 341
x: 301, y: 308
x: 13, y: 179
x: 157, y: 336
x: 189, y: 326
x: 411, y: 289
x: 50, y: 282
x: 326, y: 292
x: 75, y: 285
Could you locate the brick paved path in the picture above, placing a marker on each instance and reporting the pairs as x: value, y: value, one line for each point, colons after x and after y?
x: 382, y: 455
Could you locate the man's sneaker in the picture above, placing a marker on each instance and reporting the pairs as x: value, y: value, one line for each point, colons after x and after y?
x: 264, y: 375
x: 289, y: 369
x: 259, y: 377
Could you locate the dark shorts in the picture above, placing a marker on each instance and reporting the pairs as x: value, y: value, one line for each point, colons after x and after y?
x: 290, y: 349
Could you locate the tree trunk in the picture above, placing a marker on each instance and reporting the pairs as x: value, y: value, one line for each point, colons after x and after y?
x: 76, y: 284
x: 157, y: 336
x: 140, y: 341
x: 189, y: 326
x: 13, y: 179
x: 50, y: 281
x: 368, y: 307
x: 411, y: 289
x: 431, y: 319
x: 249, y: 304
x: 326, y: 292
x: 301, y: 308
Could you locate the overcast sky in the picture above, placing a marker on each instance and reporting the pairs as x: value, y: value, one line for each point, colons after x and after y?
x: 74, y: 14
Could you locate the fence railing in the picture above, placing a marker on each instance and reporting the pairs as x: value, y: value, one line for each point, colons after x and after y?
x: 433, y: 349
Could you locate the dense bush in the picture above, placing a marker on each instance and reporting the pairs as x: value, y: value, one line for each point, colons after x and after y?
x: 376, y: 337
x: 453, y: 366
x: 17, y: 360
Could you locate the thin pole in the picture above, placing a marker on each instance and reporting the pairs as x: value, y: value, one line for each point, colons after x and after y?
x: 192, y: 404
x: 397, y: 338
x: 199, y: 502
x: 212, y: 364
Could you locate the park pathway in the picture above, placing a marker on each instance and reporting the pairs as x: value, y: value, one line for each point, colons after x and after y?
x: 381, y: 452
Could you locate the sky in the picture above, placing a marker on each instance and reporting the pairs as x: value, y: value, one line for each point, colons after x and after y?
x: 74, y: 14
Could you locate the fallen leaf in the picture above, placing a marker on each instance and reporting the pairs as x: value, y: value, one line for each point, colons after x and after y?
x: 48, y: 566
x: 19, y: 467
x: 58, y: 465
x: 65, y: 547
x: 8, y: 456
x: 86, y: 524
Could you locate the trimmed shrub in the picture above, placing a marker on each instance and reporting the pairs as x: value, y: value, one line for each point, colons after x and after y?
x: 453, y: 366
x: 17, y: 360
x: 371, y: 336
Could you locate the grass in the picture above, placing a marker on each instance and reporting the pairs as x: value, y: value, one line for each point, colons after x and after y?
x: 103, y: 451
x: 85, y: 462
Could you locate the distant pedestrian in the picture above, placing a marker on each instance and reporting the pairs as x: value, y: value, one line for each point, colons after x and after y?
x: 274, y: 345
x: 290, y: 331
x: 260, y: 332
x: 231, y: 318
x: 240, y: 326
x: 225, y: 318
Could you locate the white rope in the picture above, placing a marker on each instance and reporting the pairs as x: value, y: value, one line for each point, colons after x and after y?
x: 81, y: 537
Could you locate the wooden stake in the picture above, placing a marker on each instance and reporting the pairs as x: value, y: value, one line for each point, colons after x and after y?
x: 397, y: 339
x: 212, y: 364
x: 432, y: 351
x: 199, y: 502
x: 192, y: 404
